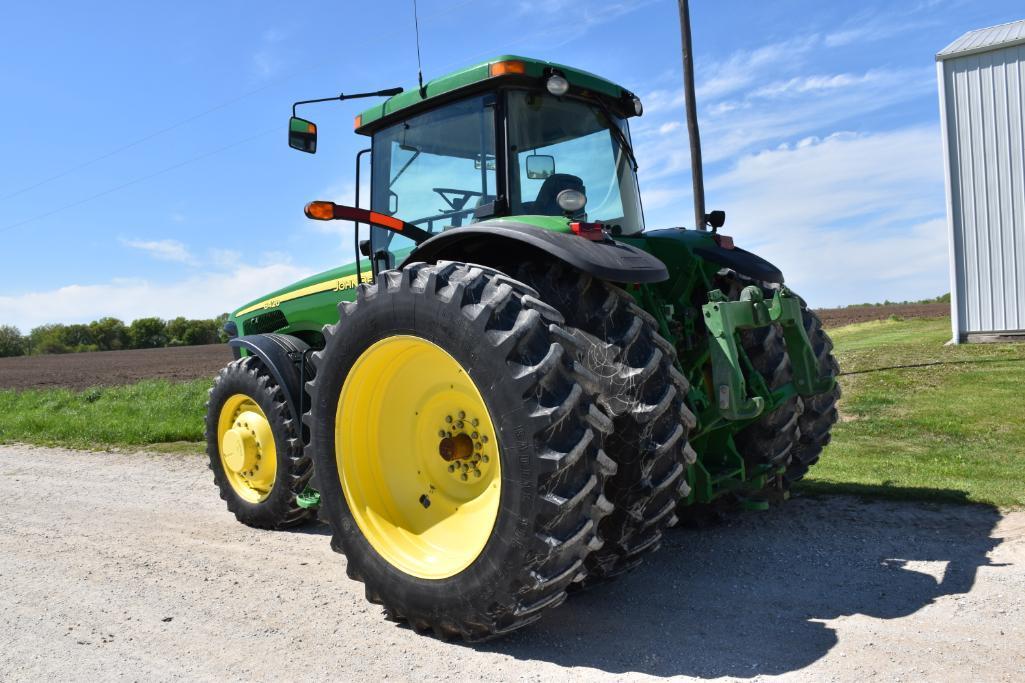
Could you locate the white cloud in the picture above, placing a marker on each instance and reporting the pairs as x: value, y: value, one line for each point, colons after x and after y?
x: 164, y: 250
x: 848, y: 218
x: 776, y: 112
x: 744, y: 67
x: 265, y: 63
x: 200, y: 296
x: 868, y: 28
x: 552, y: 34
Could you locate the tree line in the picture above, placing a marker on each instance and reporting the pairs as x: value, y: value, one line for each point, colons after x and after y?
x: 111, y: 334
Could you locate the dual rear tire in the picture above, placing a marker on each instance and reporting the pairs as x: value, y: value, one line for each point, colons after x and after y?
x: 458, y: 450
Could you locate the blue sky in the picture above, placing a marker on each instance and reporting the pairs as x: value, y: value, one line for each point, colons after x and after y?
x: 146, y: 171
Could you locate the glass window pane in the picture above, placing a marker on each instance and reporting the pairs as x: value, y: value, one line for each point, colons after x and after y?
x: 434, y: 169
x: 587, y: 157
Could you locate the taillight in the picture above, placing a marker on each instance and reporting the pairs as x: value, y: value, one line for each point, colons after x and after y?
x: 592, y: 231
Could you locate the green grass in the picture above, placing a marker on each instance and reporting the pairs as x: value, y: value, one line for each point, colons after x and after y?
x: 152, y: 412
x: 952, y: 429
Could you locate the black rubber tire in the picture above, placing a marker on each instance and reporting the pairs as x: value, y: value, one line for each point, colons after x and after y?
x: 818, y: 413
x: 795, y: 433
x: 279, y: 510
x: 549, y: 432
x: 646, y: 395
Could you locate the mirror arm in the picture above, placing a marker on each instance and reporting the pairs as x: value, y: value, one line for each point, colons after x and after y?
x: 388, y: 92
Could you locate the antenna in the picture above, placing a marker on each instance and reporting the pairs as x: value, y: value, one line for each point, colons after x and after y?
x: 419, y: 64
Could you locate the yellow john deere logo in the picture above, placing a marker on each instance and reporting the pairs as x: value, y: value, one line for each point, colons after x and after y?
x: 335, y: 285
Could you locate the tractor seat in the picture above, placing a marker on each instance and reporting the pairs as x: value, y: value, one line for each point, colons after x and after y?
x: 546, y: 204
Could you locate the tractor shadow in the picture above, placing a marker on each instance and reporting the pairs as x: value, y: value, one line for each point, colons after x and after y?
x: 748, y: 597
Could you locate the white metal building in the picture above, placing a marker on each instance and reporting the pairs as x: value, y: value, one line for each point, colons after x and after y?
x: 982, y: 112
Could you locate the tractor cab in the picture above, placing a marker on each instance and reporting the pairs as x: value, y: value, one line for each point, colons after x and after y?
x: 509, y: 138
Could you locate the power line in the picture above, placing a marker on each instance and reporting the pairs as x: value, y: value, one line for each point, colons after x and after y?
x: 140, y: 179
x: 205, y: 112
x: 141, y: 140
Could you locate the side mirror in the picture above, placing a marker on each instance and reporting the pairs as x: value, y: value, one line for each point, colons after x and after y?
x: 302, y: 135
x: 540, y: 166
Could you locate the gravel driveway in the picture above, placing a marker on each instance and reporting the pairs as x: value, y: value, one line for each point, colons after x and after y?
x: 127, y: 566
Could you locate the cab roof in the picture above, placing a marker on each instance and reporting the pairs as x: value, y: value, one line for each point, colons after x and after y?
x: 375, y: 117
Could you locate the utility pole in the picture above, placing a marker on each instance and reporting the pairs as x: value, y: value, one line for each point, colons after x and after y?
x: 697, y: 176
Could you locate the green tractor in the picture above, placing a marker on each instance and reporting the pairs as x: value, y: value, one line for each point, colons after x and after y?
x: 516, y: 388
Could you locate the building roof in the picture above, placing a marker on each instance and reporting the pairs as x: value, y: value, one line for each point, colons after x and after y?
x: 985, y: 39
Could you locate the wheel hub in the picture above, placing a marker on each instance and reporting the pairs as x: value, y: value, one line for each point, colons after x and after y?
x: 247, y: 448
x: 462, y: 446
x: 239, y: 448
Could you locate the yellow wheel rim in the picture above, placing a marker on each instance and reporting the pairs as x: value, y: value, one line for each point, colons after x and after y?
x: 418, y: 457
x: 246, y: 445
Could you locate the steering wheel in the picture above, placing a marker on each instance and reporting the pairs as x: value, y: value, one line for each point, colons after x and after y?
x: 457, y: 202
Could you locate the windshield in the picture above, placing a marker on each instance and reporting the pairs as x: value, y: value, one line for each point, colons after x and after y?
x: 434, y: 169
x: 557, y: 144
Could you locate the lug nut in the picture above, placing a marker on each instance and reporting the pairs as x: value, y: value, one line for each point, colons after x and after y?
x: 448, y: 418
x: 459, y: 424
x: 452, y: 468
x: 475, y: 422
x: 474, y: 435
x: 441, y: 433
x: 477, y: 445
x: 484, y: 438
x: 485, y: 458
x: 461, y: 415
x: 476, y: 473
x: 463, y: 476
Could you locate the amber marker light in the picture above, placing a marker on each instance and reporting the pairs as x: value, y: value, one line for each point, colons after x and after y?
x: 507, y: 68
x: 357, y: 122
x: 320, y: 211
x: 386, y: 221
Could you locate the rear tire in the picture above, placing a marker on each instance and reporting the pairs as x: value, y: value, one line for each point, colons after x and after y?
x: 818, y: 413
x: 547, y: 434
x: 639, y: 385
x: 244, y: 398
x: 795, y: 433
x: 770, y: 440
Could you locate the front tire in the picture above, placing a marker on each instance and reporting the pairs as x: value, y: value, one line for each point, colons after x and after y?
x: 254, y: 447
x: 486, y: 547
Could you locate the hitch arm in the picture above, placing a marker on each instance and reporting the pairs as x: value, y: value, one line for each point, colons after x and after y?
x: 725, y: 318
